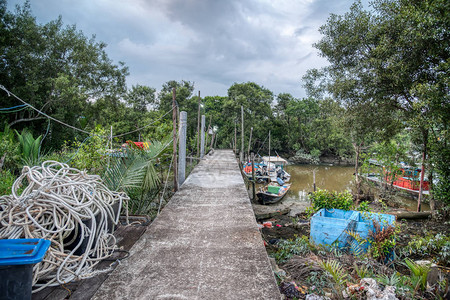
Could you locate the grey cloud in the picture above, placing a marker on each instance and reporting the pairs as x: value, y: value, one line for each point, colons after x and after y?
x: 301, y: 30
x: 212, y: 42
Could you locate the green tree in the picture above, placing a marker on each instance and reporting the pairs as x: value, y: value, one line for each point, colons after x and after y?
x: 141, y: 98
x: 381, y: 60
x: 183, y: 89
x: 185, y: 101
x: 256, y: 101
x: 55, y: 68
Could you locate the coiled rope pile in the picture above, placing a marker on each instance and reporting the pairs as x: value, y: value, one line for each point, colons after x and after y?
x: 72, y: 209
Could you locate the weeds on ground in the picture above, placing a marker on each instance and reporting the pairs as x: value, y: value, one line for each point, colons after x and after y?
x: 435, y: 247
x: 382, y: 241
x: 326, y: 270
x: 288, y: 248
x: 337, y: 275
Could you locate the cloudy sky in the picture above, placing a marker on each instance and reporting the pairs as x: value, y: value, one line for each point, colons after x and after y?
x: 213, y: 43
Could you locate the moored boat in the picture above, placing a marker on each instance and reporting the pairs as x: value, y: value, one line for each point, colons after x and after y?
x: 275, y: 166
x: 273, y: 193
x: 408, y: 180
x: 261, y: 173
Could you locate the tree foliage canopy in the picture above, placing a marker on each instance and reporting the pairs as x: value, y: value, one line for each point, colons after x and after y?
x: 388, y: 73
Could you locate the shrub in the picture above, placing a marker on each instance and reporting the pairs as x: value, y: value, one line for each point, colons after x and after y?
x: 30, y: 148
x: 9, y: 150
x: 6, y: 182
x: 364, y: 206
x: 382, y: 240
x: 90, y: 153
x: 327, y: 199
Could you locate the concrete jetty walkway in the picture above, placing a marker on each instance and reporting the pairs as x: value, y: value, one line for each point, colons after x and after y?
x: 204, y: 245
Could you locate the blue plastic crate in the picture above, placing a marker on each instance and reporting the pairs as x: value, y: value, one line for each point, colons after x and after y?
x: 22, y: 251
x: 17, y: 257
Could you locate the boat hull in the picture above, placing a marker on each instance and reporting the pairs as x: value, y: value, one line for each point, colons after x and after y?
x: 270, y: 198
x: 413, y: 192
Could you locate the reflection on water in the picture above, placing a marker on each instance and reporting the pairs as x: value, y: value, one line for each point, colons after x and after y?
x: 332, y: 178
x: 410, y: 203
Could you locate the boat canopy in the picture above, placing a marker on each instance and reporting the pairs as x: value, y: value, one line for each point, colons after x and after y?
x: 275, y: 159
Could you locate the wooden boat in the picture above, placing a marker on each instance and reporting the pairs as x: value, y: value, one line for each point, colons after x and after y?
x: 261, y: 173
x: 272, y: 193
x: 275, y: 166
x: 408, y: 181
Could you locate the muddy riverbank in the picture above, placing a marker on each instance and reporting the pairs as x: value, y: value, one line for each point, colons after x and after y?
x: 300, y: 272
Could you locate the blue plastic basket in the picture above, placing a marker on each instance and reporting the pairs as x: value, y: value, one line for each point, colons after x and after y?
x: 329, y: 227
x: 17, y: 258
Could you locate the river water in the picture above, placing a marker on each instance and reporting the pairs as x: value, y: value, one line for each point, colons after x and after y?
x: 332, y: 178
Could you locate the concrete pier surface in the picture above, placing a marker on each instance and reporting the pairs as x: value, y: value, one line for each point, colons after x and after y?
x: 204, y: 245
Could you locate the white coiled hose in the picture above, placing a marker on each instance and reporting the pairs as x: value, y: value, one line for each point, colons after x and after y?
x: 57, y: 203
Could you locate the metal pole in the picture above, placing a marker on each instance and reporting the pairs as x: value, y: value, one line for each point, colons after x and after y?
x: 422, y: 174
x: 235, y: 136
x: 202, y: 138
x: 268, y: 167
x: 174, y: 120
x: 198, y: 125
x: 182, y: 148
x: 253, y: 176
x: 250, y: 141
x: 242, y: 134
x: 207, y: 132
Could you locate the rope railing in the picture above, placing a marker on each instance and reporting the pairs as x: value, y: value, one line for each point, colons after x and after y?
x: 26, y: 104
x: 257, y: 153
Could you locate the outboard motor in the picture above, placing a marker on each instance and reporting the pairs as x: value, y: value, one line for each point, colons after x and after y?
x: 279, y: 172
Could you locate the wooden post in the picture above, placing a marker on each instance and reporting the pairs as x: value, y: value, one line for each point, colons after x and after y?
x: 198, y: 125
x: 215, y: 141
x: 253, y: 176
x: 250, y: 141
x: 242, y: 134
x: 212, y: 139
x: 422, y: 174
x: 314, y: 179
x: 174, y: 120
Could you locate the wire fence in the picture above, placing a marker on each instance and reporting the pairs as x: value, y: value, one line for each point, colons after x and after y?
x: 26, y: 105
